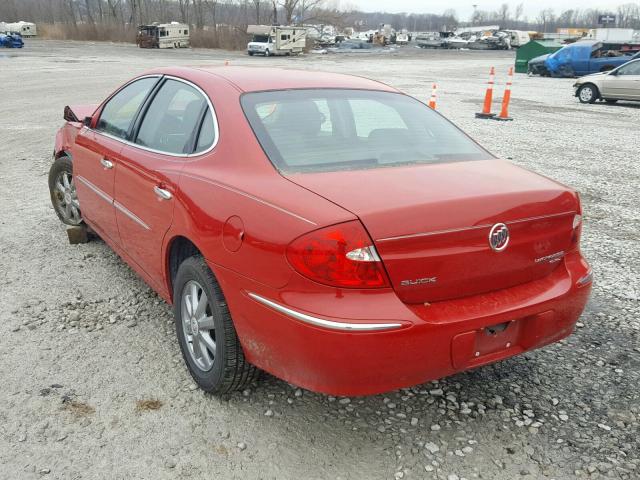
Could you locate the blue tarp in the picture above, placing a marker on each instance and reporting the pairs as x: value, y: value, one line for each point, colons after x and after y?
x: 561, y: 62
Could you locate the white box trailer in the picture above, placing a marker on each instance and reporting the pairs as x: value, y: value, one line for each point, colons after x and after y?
x: 612, y: 35
x: 163, y: 35
x: 25, y: 29
x: 274, y: 40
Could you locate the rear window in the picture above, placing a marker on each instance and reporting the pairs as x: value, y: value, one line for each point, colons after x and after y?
x: 331, y: 129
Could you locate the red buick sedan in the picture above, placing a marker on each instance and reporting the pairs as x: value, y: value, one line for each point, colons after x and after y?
x: 325, y: 228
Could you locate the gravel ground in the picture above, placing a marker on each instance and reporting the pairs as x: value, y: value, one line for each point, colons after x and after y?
x: 93, y: 384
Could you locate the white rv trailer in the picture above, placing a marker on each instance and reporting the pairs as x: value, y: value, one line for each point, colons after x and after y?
x: 25, y: 29
x: 273, y: 40
x: 163, y: 35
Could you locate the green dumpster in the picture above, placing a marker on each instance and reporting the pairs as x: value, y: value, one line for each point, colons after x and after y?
x: 533, y: 49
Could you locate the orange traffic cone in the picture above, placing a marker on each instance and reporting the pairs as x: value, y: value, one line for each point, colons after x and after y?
x: 488, y: 97
x: 432, y: 100
x: 504, y: 113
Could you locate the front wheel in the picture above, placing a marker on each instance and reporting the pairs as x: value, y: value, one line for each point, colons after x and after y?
x: 62, y: 189
x: 588, y: 93
x: 267, y: 53
x: 207, y: 336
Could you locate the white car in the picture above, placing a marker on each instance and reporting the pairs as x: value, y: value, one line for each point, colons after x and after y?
x: 622, y: 83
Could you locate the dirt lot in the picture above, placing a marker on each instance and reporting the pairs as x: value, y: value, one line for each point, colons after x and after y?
x: 93, y: 384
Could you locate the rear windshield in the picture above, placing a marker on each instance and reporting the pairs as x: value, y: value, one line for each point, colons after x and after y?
x: 331, y: 129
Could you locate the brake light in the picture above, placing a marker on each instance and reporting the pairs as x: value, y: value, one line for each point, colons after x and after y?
x: 342, y: 255
x: 577, y: 230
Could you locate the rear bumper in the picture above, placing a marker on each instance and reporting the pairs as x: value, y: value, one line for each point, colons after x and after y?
x: 427, y: 341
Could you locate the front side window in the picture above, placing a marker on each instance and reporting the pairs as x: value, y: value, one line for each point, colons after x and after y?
x: 172, y: 120
x: 118, y: 114
x: 331, y: 129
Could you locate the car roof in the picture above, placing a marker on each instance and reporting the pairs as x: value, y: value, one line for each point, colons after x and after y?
x: 253, y: 79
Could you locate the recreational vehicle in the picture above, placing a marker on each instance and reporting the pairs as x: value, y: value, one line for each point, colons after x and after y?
x: 163, y: 35
x: 271, y: 40
x: 25, y: 29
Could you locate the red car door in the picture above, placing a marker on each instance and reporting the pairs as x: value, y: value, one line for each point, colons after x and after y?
x: 146, y: 183
x: 97, y: 153
x: 148, y: 174
x: 94, y: 159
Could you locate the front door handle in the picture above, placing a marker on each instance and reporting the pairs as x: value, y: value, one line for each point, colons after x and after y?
x: 107, y: 164
x: 162, y: 193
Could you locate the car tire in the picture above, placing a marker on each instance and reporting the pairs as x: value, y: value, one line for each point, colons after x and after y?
x: 63, y: 194
x: 250, y: 54
x: 588, y: 93
x: 267, y: 53
x: 208, y: 340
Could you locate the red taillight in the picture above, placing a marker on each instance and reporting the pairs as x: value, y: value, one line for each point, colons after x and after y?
x: 341, y: 256
x: 577, y: 230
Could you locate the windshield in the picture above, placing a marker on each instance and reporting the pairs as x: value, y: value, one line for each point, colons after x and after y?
x: 331, y: 129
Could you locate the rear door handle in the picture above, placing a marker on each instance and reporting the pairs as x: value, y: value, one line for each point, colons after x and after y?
x: 162, y: 193
x: 107, y: 164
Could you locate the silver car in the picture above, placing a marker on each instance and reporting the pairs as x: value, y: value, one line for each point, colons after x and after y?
x: 622, y: 83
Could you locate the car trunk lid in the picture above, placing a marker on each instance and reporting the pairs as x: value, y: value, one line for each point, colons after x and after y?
x: 431, y: 223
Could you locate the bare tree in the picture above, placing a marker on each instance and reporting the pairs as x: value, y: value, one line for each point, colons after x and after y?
x: 503, y: 14
x: 546, y: 17
x: 183, y: 6
x: 256, y: 7
x: 198, y: 13
x: 519, y: 11
x: 628, y: 15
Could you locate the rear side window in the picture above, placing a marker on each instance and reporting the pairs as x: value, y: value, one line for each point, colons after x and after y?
x: 630, y: 69
x: 207, y: 133
x: 171, y: 122
x: 119, y: 112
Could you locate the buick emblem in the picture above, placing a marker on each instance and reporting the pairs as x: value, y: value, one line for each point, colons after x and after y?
x: 499, y: 237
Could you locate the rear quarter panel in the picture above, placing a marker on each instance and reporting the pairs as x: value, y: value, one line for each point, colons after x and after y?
x: 235, y: 184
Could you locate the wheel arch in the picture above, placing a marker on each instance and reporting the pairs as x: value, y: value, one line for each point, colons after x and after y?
x: 62, y: 152
x: 178, y: 249
x: 592, y: 85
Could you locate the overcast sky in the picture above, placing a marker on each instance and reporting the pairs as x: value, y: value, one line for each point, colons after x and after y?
x: 464, y: 8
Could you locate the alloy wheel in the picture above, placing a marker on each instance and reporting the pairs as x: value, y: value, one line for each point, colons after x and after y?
x: 198, y: 326
x: 67, y: 199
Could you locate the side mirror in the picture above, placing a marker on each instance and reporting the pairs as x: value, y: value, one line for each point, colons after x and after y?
x: 86, y: 121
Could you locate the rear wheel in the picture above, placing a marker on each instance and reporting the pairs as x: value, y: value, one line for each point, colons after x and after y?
x: 207, y: 336
x: 588, y: 93
x: 62, y: 189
